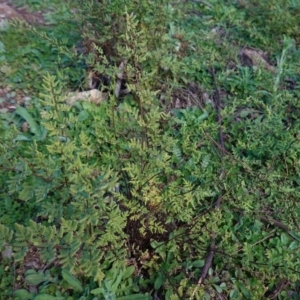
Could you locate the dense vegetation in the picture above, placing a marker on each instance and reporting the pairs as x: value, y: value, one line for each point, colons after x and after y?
x: 186, y: 186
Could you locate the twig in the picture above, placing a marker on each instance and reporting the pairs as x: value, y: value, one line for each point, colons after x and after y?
x: 119, y: 79
x: 203, y: 2
x: 272, y: 221
x: 207, y: 265
x: 14, y: 280
x: 212, y: 247
x: 209, y: 258
x: 219, y: 110
x: 280, y: 225
x: 221, y: 137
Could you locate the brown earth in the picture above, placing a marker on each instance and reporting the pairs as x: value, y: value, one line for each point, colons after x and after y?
x: 8, y: 11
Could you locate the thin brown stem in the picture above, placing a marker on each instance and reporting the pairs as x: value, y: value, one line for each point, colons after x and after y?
x: 221, y: 145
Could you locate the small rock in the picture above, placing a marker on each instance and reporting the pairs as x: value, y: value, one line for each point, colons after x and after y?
x: 8, y: 12
x: 25, y: 127
x: 94, y: 96
x: 7, y: 252
x: 255, y: 57
x: 3, y: 110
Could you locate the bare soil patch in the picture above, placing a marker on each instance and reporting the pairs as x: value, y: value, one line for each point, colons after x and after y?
x: 10, y: 98
x: 8, y: 12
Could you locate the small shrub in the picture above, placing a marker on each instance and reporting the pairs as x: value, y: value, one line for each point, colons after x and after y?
x: 131, y: 199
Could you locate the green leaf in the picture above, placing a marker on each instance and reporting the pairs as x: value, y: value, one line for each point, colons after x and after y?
x: 35, y: 279
x: 223, y: 285
x: 283, y: 238
x: 233, y: 293
x: 23, y: 295
x: 110, y: 296
x: 244, y: 290
x: 294, y: 235
x: 128, y: 272
x: 135, y: 297
x: 2, y: 48
x: 245, y: 112
x: 5, y: 69
x: 26, y: 194
x: 202, y: 117
x: 45, y: 297
x: 71, y: 280
x: 97, y: 291
x: 159, y: 281
x: 198, y: 263
x: 293, y: 245
x: 115, y: 285
x: 218, y: 289
x: 206, y: 297
x: 33, y: 126
x: 20, y: 255
x: 29, y: 272
x: 22, y: 137
x: 83, y: 115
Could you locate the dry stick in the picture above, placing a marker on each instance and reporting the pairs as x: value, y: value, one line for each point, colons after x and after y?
x: 223, y: 151
x: 276, y: 223
x: 212, y: 247
x: 120, y: 76
x: 203, y: 2
x: 14, y: 280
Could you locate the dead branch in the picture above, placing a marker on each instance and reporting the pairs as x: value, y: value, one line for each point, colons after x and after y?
x: 212, y: 247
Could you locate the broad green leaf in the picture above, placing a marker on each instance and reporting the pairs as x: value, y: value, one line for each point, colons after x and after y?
x: 5, y: 68
x: 97, y: 291
x: 26, y: 194
x: 45, y: 297
x: 35, y: 279
x: 218, y: 289
x: 22, y: 137
x: 33, y: 126
x: 198, y: 263
x: 159, y: 281
x: 206, y: 297
x: 283, y: 238
x: 202, y: 117
x: 29, y: 272
x: 115, y: 285
x: 23, y: 295
x: 2, y: 48
x: 244, y: 290
x: 233, y: 294
x: 71, y: 280
x: 294, y: 235
x: 135, y: 297
x: 293, y: 245
x: 109, y: 296
x: 128, y: 272
x: 223, y: 285
x: 83, y: 115
x: 245, y: 112
x: 20, y: 255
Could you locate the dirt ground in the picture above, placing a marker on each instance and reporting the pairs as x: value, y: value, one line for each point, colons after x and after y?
x: 8, y: 11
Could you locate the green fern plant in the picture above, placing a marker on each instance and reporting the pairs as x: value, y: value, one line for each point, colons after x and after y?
x: 121, y: 197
